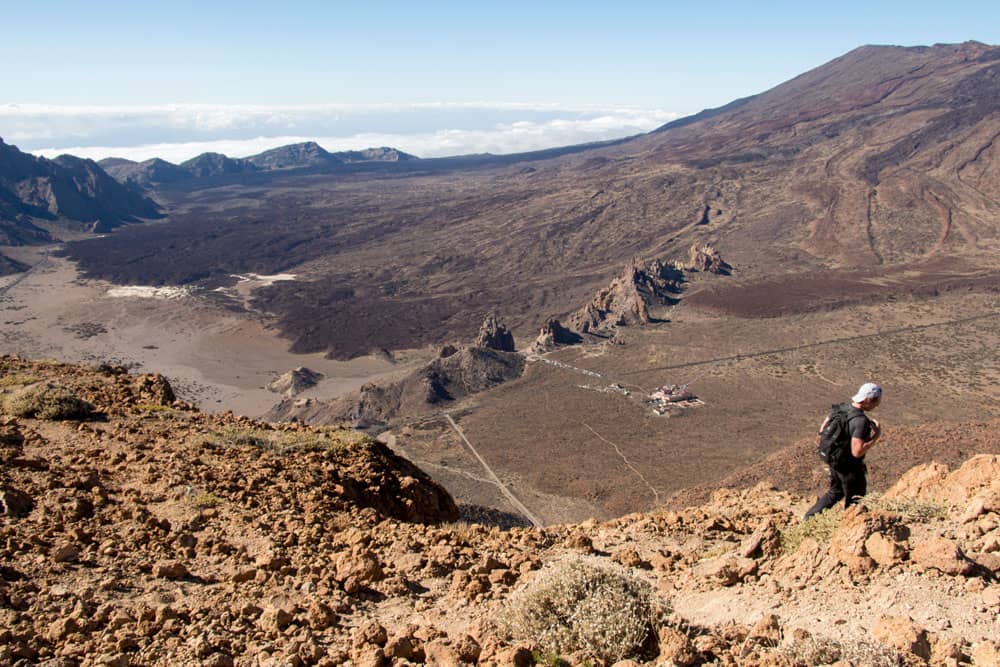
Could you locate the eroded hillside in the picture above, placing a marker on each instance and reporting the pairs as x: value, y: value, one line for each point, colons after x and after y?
x: 139, y: 531
x: 882, y: 160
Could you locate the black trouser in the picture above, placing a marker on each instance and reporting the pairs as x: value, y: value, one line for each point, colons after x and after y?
x: 847, y: 484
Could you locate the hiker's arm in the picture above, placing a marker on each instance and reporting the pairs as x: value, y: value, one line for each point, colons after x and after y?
x: 823, y: 427
x: 860, y: 447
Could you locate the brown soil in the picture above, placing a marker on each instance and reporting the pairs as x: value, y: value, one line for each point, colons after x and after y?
x: 154, y: 534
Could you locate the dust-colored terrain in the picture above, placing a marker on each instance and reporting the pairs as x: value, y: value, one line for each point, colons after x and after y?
x: 218, y: 355
x: 143, y: 532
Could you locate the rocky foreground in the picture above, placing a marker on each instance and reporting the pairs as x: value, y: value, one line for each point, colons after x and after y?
x: 135, y: 530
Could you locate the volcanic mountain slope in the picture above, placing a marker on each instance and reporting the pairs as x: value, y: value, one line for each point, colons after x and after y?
x: 884, y: 159
x: 146, y: 532
x: 69, y: 190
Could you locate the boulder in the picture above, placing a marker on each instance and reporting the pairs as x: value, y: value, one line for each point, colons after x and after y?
x: 941, y: 554
x: 903, y: 634
x: 884, y: 550
x: 986, y: 654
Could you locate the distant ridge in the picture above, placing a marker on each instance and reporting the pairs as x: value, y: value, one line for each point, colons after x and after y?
x: 67, y: 190
x: 156, y: 171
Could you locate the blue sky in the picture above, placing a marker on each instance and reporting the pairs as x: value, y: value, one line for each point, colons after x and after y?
x: 559, y: 61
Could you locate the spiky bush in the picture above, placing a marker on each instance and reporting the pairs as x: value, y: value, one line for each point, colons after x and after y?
x: 816, y: 651
x: 48, y: 401
x: 583, y: 604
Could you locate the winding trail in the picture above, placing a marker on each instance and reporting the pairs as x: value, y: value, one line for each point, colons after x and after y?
x: 500, y: 485
x: 656, y: 494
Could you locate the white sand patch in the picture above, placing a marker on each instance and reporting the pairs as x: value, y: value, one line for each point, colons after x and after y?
x: 146, y: 292
x: 264, y: 280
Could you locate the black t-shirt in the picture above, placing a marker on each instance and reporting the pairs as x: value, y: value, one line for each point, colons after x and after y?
x: 859, y: 426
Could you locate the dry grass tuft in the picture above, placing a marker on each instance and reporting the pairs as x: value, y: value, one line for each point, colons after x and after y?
x: 18, y: 380
x: 914, y: 509
x: 328, y: 439
x: 584, y: 604
x: 47, y: 401
x: 820, y: 527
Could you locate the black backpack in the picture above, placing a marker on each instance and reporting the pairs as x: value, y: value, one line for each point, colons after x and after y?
x: 834, y: 444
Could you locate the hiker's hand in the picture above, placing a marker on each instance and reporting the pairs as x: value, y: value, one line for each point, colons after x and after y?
x: 876, y: 430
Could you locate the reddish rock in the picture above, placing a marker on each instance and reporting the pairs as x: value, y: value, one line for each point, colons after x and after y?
x: 170, y: 570
x: 941, y: 554
x: 903, y: 634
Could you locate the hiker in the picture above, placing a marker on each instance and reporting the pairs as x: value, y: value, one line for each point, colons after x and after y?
x: 845, y: 437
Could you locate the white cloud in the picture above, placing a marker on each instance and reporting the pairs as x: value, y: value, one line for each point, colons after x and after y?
x: 181, y: 131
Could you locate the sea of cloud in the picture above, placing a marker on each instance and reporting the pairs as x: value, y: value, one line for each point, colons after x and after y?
x: 177, y: 132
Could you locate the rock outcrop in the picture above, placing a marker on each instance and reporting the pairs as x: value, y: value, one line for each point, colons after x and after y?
x: 495, y: 335
x: 295, y: 381
x: 552, y: 335
x: 705, y: 257
x: 626, y: 300
x: 458, y: 372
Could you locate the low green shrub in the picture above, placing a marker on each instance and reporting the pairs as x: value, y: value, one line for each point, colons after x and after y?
x: 47, y: 401
x: 584, y: 604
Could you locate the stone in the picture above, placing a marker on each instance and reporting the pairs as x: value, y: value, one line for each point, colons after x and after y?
x: 361, y: 565
x: 14, y: 503
x: 468, y: 649
x: 941, y: 554
x: 440, y: 654
x: 675, y: 648
x: 369, y: 634
x: 765, y: 541
x: 903, y: 634
x: 275, y: 618
x: 986, y: 654
x: 884, y: 550
x: 728, y: 570
x: 66, y: 553
x: 170, y: 570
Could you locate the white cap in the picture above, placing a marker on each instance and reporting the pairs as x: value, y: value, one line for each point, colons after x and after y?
x: 867, y: 391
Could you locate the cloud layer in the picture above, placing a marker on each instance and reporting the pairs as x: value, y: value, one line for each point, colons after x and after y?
x: 179, y: 132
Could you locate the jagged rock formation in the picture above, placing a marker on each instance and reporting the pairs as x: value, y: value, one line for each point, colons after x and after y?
x: 704, y: 257
x: 625, y: 301
x: 173, y: 537
x: 67, y: 189
x: 552, y: 335
x: 295, y: 381
x: 495, y: 335
x: 458, y: 372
